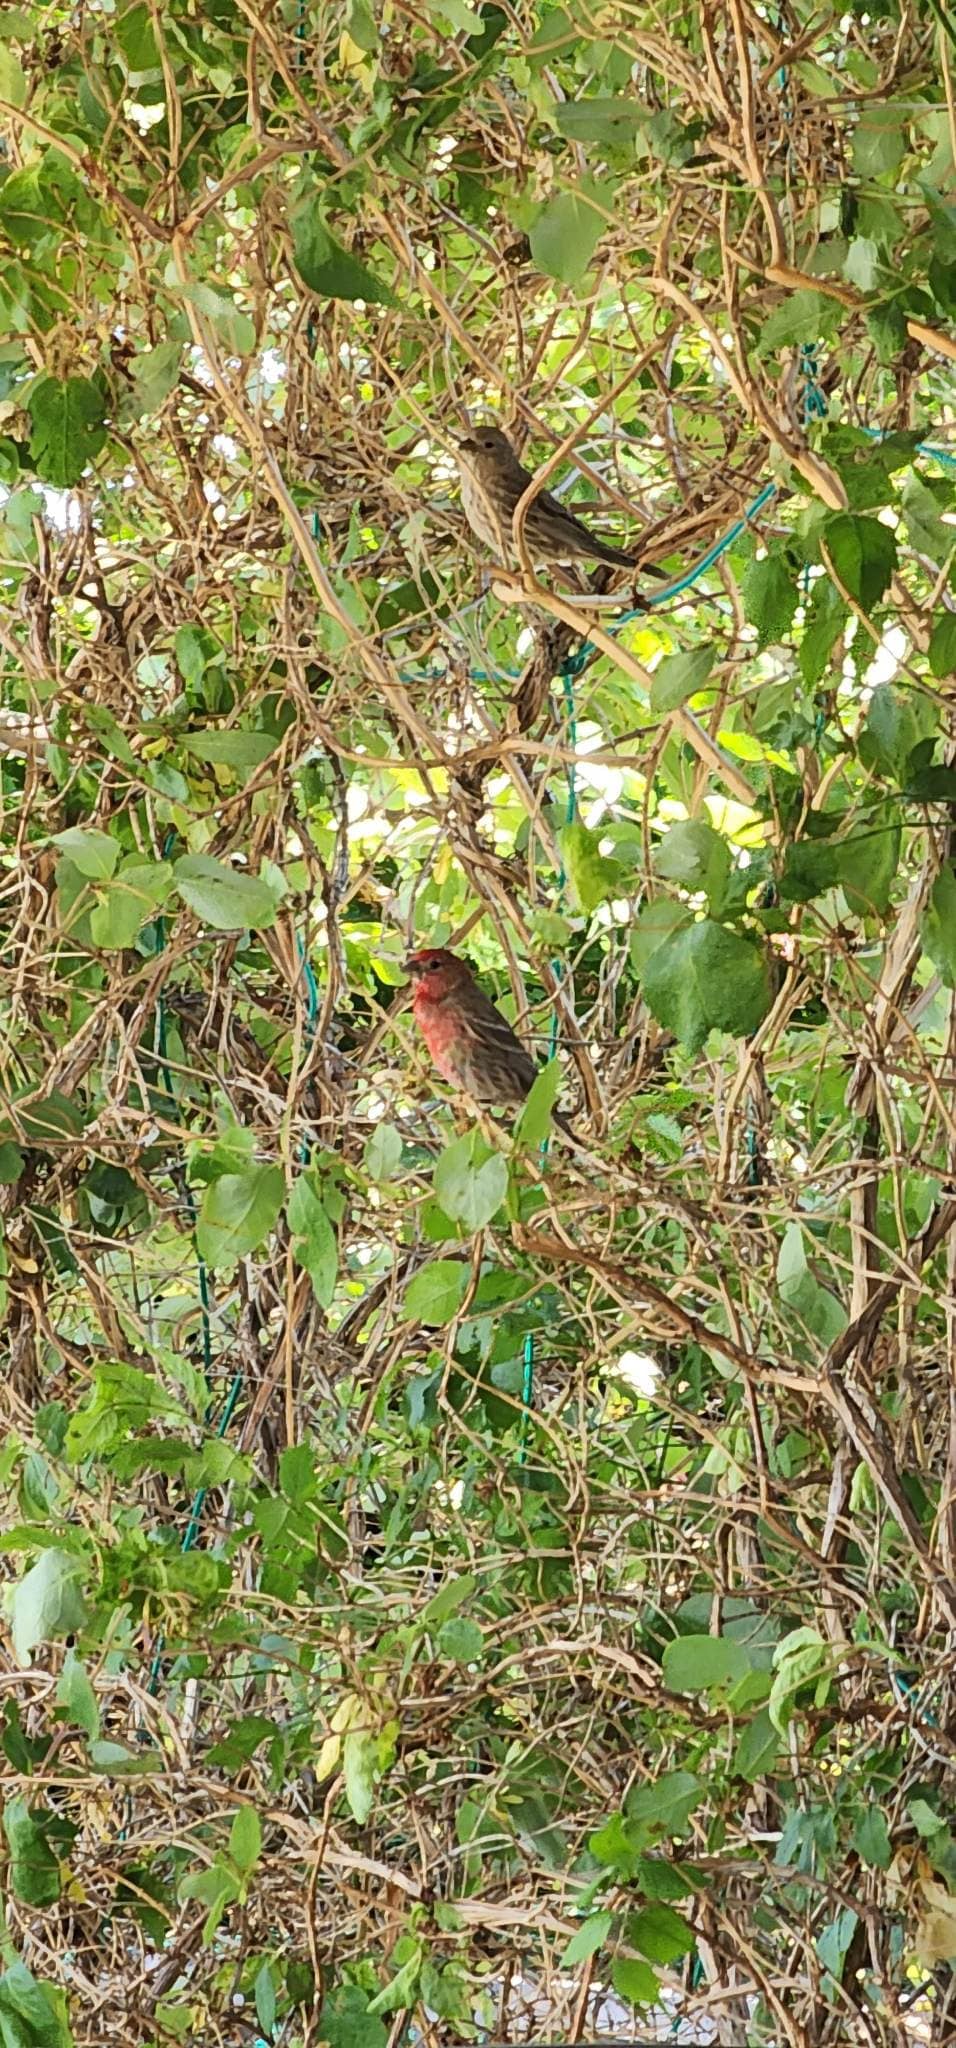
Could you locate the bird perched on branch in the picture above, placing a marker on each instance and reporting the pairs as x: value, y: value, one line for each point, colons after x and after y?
x: 471, y: 1043
x: 493, y: 480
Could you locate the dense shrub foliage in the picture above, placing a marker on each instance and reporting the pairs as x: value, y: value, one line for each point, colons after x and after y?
x: 461, y: 1585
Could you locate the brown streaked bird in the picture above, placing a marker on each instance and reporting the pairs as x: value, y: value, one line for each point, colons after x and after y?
x: 493, y: 480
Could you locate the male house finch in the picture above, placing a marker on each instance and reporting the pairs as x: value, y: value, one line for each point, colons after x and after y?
x: 471, y: 1043
x: 492, y: 481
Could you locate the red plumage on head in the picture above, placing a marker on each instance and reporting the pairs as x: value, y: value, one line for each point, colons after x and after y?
x: 436, y: 973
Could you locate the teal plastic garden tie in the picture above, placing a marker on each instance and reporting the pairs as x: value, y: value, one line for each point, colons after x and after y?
x: 815, y: 408
x: 814, y: 400
x: 311, y: 989
x: 930, y: 448
x: 571, y: 669
x: 582, y: 655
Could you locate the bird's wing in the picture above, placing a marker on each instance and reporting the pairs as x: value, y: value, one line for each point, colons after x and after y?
x: 549, y: 503
x: 493, y: 1031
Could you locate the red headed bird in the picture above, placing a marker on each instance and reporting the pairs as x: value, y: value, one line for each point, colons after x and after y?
x: 471, y: 1043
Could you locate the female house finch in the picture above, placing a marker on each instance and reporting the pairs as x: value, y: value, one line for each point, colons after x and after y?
x: 492, y: 481
x: 471, y: 1043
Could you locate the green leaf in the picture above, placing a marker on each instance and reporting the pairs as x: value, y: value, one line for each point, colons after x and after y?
x: 812, y: 866
x: 803, y: 316
x: 863, y: 553
x: 75, y: 1693
x: 680, y: 676
x: 122, y: 1400
x: 568, y: 228
x: 435, y: 1294
x: 13, y: 81
x: 449, y: 1598
x: 68, y: 430
x: 695, y: 856
x: 925, y: 1819
x: 48, y: 1602
x: 48, y: 1121
x: 455, y: 15
x: 589, y: 1937
x: 664, y: 1805
x: 325, y: 266
x: 133, y: 896
x: 154, y: 374
x: 194, y: 651
x: 824, y: 618
x: 314, y: 1242
x: 32, y: 2015
x: 400, y: 1991
x: 592, y: 877
x: 237, y: 1213
x: 871, y: 1837
x: 245, y: 1839
x: 939, y: 926
x: 635, y: 1981
x: 11, y: 1163
x: 346, y: 2021
x: 461, y: 1640
x: 613, y: 1846
x: 862, y: 263
x: 362, y: 26
x: 705, y: 977
x: 814, y: 1305
x: 869, y: 861
x: 470, y: 1181
x: 756, y: 1751
x: 359, y: 1756
x: 801, y: 1659
x: 233, y: 1151
x: 598, y: 119
x: 233, y: 328
x: 879, y: 142
x: 694, y: 1664
x: 112, y: 737
x: 240, y: 1742
x: 660, y: 1934
x: 942, y: 646
x: 222, y: 896
x: 228, y: 749
x: 923, y: 506
x: 24, y: 210
x: 136, y: 39
x: 534, y: 1123
x: 115, y: 1760
x: 93, y: 852
x: 653, y: 926
x: 770, y: 595
x: 34, y: 1867
x: 886, y: 326
x: 895, y: 724
x: 264, y: 1993
x: 383, y: 1153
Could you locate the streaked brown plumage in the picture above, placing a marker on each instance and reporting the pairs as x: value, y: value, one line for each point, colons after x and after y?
x: 493, y: 480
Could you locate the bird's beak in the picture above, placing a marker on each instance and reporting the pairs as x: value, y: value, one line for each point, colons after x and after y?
x: 465, y: 441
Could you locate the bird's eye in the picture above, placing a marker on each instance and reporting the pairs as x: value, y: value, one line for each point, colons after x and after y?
x: 433, y: 966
